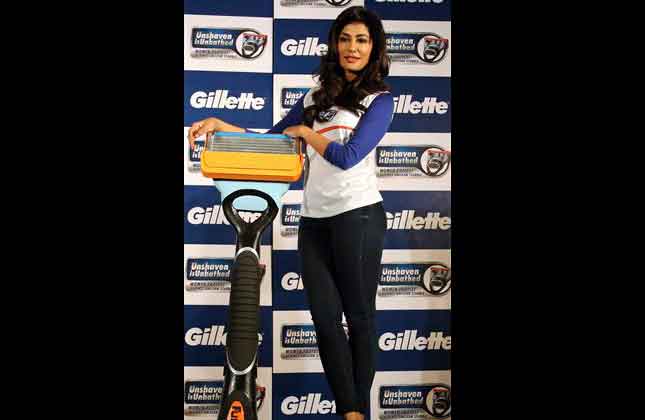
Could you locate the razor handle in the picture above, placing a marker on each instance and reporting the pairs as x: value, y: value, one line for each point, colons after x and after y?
x: 240, y: 371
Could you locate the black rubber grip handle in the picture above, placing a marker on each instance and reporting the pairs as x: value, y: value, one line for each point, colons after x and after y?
x: 244, y: 311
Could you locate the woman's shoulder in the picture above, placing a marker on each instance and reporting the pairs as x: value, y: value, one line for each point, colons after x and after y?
x: 309, y: 100
x: 384, y: 95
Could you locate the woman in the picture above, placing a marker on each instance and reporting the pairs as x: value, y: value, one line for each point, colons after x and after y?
x: 342, y: 224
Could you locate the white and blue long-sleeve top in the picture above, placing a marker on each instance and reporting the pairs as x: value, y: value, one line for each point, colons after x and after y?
x: 345, y: 177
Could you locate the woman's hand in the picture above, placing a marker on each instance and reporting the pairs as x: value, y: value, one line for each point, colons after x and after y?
x: 313, y: 139
x: 199, y: 128
x: 298, y: 131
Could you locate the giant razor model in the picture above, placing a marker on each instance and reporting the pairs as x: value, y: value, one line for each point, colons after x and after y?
x: 252, y: 171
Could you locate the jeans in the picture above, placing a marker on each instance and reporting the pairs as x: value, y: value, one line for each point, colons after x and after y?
x: 340, y: 259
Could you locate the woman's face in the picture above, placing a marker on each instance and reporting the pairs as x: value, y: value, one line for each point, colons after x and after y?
x: 354, y: 48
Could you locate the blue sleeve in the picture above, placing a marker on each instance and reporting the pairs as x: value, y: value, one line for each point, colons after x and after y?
x: 293, y: 117
x: 368, y: 132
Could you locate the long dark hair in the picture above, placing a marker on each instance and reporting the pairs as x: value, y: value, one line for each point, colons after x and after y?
x: 335, y: 89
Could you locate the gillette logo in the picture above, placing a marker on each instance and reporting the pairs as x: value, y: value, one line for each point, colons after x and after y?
x: 307, y: 404
x: 408, y: 340
x: 410, y: 1
x: 215, y: 216
x: 291, y: 281
x: 220, y: 100
x: 308, y: 46
x: 211, y: 336
x: 405, y: 220
x: 403, y: 104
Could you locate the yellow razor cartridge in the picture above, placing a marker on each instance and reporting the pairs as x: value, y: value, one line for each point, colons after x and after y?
x: 252, y: 157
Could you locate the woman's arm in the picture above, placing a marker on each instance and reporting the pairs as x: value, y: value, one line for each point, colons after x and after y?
x: 368, y: 133
x: 293, y: 117
x: 313, y: 139
x: 210, y: 125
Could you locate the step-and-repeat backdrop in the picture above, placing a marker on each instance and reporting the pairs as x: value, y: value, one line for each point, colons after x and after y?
x: 247, y: 62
